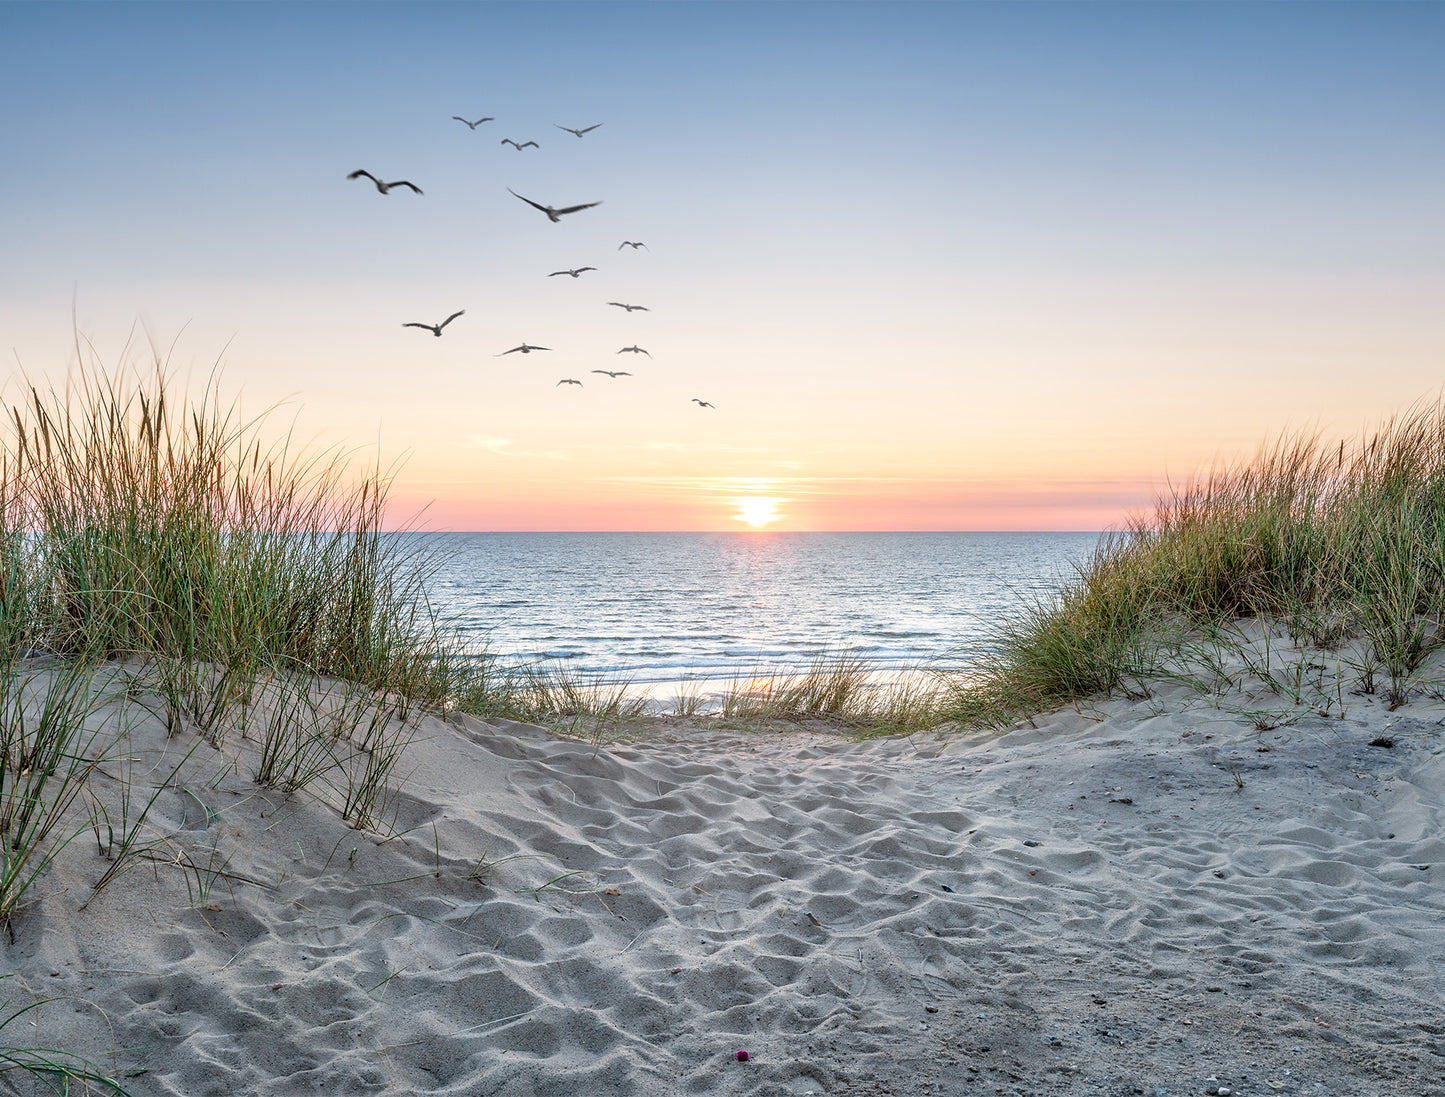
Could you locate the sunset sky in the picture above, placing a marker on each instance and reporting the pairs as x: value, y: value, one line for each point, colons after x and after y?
x: 937, y: 266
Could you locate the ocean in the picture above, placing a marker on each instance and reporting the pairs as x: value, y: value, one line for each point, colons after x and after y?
x: 661, y: 608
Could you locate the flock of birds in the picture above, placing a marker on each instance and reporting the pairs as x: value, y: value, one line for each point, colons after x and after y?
x: 554, y: 215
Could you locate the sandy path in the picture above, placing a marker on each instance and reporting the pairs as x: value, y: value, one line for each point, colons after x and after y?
x: 1093, y: 906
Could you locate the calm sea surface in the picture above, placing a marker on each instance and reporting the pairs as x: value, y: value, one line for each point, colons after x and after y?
x: 664, y: 607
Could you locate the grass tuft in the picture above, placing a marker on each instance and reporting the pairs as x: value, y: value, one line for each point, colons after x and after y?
x: 1339, y: 542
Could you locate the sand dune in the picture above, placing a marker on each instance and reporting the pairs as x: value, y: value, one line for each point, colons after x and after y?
x: 1093, y: 905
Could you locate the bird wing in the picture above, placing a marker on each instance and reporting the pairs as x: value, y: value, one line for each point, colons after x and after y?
x: 567, y: 128
x: 589, y: 129
x: 524, y: 144
x: 557, y: 272
x: 459, y: 118
x: 427, y: 326
x: 404, y: 183
x: 507, y: 352
x: 359, y: 174
x: 581, y: 269
x: 529, y: 202
x: 619, y: 304
x: 574, y: 209
x: 450, y: 318
x: 509, y: 141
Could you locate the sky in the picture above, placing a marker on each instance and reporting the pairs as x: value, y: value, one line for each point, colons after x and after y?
x: 936, y: 266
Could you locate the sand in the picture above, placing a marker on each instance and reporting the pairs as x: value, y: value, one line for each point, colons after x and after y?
x: 1149, y: 896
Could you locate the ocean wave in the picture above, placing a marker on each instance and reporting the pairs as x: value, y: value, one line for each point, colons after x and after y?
x: 673, y: 605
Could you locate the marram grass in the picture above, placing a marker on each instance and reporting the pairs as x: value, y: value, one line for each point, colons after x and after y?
x: 1342, y: 541
x: 158, y: 526
x: 178, y: 536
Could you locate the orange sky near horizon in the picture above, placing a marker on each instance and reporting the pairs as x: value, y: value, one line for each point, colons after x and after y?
x: 776, y: 504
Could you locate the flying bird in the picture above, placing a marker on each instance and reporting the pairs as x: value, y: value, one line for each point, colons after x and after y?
x: 634, y: 350
x: 567, y: 381
x: 631, y: 308
x: 436, y: 329
x: 473, y: 125
x: 519, y: 148
x: 703, y: 403
x: 383, y: 187
x: 573, y: 273
x: 613, y: 373
x: 580, y: 132
x: 553, y: 214
x: 524, y: 348
x: 633, y: 244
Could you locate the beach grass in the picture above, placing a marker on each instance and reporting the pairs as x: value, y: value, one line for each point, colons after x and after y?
x: 61, y: 1072
x: 1338, y: 542
x: 220, y: 563
x: 838, y: 688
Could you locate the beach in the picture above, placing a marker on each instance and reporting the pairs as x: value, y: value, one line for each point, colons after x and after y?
x: 1131, y: 896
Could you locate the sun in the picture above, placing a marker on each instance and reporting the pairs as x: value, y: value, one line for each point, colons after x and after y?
x: 757, y: 510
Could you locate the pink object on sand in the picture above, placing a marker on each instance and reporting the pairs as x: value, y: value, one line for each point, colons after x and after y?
x: 743, y: 1055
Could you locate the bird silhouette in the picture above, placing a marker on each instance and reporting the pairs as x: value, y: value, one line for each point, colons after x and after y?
x: 473, y: 125
x: 634, y: 350
x: 614, y: 373
x: 553, y: 214
x: 567, y: 381
x: 580, y: 132
x: 519, y: 148
x: 383, y: 187
x: 633, y: 244
x: 703, y: 403
x: 573, y: 273
x: 436, y: 329
x: 525, y: 348
x: 630, y: 308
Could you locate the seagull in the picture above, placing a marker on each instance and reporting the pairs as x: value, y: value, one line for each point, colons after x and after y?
x: 524, y: 348
x: 573, y: 273
x: 613, y: 373
x: 473, y: 125
x: 519, y: 148
x: 631, y: 308
x: 553, y: 214
x: 383, y: 187
x: 703, y: 403
x: 436, y: 329
x: 634, y: 350
x: 633, y: 244
x: 567, y: 381
x: 579, y: 133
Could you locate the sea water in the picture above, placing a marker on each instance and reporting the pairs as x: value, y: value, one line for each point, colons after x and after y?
x: 662, y: 608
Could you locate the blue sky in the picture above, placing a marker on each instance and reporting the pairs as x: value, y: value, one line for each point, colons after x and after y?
x: 938, y: 265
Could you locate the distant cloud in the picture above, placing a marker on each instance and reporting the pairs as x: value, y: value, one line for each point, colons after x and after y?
x: 500, y: 446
